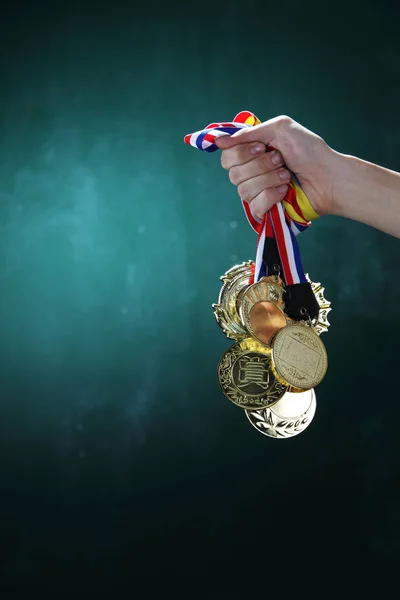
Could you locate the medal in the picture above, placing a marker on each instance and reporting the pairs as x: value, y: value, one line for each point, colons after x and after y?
x: 298, y: 356
x: 264, y: 320
x: 261, y: 308
x: 287, y: 418
x: 226, y: 309
x: 273, y: 311
x: 246, y: 378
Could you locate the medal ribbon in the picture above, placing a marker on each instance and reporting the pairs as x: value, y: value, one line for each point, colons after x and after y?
x: 284, y: 221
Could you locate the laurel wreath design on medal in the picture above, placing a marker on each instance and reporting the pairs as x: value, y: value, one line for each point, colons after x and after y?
x: 269, y: 422
x: 246, y: 378
x: 225, y: 311
x: 299, y: 357
x: 235, y: 283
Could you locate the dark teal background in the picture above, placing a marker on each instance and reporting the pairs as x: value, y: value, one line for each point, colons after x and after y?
x: 118, y: 453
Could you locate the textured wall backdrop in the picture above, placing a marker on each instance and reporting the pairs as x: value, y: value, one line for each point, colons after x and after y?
x: 118, y: 453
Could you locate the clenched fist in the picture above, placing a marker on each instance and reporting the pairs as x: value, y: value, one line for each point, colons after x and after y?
x: 261, y: 177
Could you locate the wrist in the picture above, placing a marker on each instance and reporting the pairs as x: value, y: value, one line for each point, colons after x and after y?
x: 326, y: 198
x: 344, y: 182
x: 366, y: 192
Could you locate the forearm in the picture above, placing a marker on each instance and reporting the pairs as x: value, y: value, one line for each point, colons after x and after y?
x: 367, y: 193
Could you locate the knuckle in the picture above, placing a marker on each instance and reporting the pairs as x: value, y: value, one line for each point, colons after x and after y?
x: 284, y: 120
x: 233, y: 175
x: 259, y: 211
x: 262, y: 204
x: 267, y: 163
x: 242, y: 191
x: 224, y: 160
x: 264, y: 198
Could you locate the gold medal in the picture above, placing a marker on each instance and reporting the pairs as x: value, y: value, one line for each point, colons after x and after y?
x: 287, y: 418
x: 236, y: 280
x: 299, y: 357
x: 261, y: 308
x: 246, y: 378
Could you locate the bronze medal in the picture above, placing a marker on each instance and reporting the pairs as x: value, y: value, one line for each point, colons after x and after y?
x: 265, y: 320
x: 261, y: 308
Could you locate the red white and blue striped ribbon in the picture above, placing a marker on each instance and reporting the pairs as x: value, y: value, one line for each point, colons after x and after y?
x: 277, y: 222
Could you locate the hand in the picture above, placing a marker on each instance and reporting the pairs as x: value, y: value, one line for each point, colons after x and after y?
x: 261, y: 177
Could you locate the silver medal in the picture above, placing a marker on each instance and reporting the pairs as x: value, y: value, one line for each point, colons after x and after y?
x: 288, y: 417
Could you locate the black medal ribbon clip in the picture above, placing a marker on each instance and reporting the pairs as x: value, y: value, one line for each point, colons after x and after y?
x: 300, y: 300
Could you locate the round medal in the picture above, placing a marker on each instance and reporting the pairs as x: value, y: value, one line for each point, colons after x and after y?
x: 299, y: 357
x: 246, y: 378
x: 265, y: 319
x: 288, y: 417
x: 261, y: 308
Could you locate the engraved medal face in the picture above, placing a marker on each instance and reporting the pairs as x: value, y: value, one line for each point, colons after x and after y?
x: 287, y: 418
x: 299, y: 356
x: 236, y: 280
x: 246, y: 378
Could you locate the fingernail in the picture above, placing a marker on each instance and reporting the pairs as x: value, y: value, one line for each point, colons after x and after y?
x: 276, y: 159
x: 284, y: 174
x: 257, y: 148
x: 282, y: 189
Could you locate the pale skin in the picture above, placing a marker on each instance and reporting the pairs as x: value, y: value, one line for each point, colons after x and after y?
x: 335, y: 183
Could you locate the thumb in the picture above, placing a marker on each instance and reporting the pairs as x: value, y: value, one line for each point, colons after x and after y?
x: 264, y: 133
